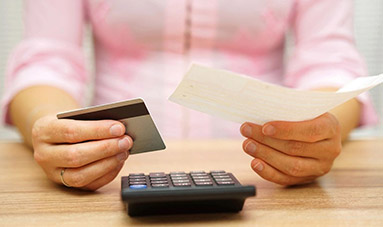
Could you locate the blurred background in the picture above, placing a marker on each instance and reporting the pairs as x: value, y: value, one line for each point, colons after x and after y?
x: 368, y: 24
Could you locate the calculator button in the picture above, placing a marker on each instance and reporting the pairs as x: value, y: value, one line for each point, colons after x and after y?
x: 225, y: 182
x: 177, y: 173
x: 197, y: 172
x: 159, y: 182
x: 136, y: 174
x: 182, y: 184
x: 181, y: 181
x: 158, y: 179
x: 217, y: 171
x: 138, y: 186
x: 163, y: 185
x: 223, y: 179
x: 202, y: 180
x: 219, y: 174
x: 137, y: 182
x: 180, y: 178
x: 198, y: 175
x: 204, y: 183
x: 157, y: 175
x: 136, y: 179
x: 201, y: 177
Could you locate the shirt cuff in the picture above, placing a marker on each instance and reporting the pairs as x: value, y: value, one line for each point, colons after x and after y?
x: 39, y: 75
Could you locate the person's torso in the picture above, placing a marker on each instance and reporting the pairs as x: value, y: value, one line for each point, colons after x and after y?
x: 143, y: 48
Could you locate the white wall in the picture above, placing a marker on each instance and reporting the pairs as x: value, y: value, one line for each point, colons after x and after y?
x: 11, y: 31
x: 369, y: 39
x: 368, y: 33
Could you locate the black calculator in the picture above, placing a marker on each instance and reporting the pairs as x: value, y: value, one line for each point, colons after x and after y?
x: 179, y: 192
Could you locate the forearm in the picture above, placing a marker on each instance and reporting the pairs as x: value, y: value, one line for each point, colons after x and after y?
x: 348, y: 115
x: 35, y: 102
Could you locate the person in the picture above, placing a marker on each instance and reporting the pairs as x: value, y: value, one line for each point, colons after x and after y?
x: 142, y: 48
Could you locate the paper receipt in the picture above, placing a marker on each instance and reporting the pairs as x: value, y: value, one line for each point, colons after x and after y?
x: 239, y: 98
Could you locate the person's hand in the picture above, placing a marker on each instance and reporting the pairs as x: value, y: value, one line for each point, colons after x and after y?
x: 290, y: 153
x: 91, y: 153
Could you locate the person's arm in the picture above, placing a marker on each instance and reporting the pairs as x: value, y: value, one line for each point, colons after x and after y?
x: 324, y: 54
x: 46, y: 71
x: 46, y: 75
x: 35, y: 102
x: 324, y: 57
x: 348, y: 115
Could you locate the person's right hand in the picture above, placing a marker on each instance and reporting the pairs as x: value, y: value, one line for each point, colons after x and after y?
x: 91, y: 153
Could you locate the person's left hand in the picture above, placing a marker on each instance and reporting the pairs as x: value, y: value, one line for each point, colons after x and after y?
x: 290, y: 153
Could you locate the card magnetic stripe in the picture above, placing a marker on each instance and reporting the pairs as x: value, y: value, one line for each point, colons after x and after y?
x: 116, y: 113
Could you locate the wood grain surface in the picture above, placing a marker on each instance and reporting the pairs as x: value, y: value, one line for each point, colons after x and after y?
x: 350, y: 195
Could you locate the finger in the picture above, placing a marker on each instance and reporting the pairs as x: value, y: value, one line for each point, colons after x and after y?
x: 289, y: 165
x: 318, y: 150
x: 104, y: 180
x: 80, y: 177
x: 80, y: 154
x: 321, y: 150
x: 74, y: 131
x: 290, y: 147
x: 320, y: 128
x: 269, y: 173
x: 251, y: 130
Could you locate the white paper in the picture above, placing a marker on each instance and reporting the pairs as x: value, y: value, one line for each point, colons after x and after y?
x: 240, y: 98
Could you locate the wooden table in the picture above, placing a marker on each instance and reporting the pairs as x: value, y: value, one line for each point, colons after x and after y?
x: 351, y: 194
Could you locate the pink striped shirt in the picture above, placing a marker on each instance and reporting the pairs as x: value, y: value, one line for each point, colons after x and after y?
x: 143, y: 47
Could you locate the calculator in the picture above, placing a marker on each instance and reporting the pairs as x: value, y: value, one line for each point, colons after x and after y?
x: 180, y: 192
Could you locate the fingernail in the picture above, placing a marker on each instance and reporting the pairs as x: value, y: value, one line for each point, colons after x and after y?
x: 124, y: 144
x: 116, y: 130
x: 258, y: 166
x: 268, y: 130
x: 122, y: 156
x: 246, y: 130
x: 250, y: 147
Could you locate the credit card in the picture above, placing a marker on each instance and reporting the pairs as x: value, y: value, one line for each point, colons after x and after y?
x: 133, y: 114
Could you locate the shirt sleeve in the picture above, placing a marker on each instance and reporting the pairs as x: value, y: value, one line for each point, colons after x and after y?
x: 50, y: 53
x: 325, y: 54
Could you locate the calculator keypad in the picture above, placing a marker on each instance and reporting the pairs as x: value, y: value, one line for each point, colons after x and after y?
x: 158, y: 180
x: 137, y: 181
x: 200, y: 178
x: 179, y: 179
